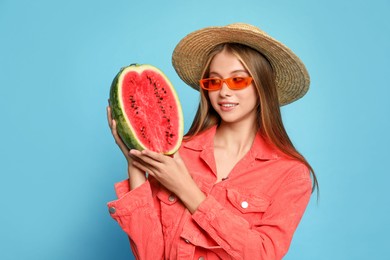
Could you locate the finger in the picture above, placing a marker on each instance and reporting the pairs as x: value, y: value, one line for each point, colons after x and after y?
x: 153, y: 155
x: 140, y: 156
x: 134, y: 154
x: 146, y: 160
x: 143, y: 168
x: 115, y: 133
x: 113, y: 129
x: 133, y: 157
x: 118, y: 139
x: 109, y: 118
x: 137, y: 156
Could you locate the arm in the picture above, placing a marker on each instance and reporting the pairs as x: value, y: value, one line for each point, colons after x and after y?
x: 135, y: 209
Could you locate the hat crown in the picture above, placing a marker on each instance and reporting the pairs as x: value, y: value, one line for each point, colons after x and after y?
x: 244, y: 26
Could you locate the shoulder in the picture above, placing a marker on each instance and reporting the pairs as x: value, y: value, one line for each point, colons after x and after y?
x: 284, y: 169
x: 297, y: 170
x: 265, y: 151
x: 289, y: 176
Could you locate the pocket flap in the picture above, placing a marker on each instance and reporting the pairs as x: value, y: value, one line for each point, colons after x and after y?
x: 166, y: 197
x: 248, y: 202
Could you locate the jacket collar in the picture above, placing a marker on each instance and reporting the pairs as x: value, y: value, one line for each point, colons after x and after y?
x: 261, y: 149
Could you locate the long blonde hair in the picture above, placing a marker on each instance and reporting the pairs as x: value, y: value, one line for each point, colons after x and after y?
x: 269, y: 119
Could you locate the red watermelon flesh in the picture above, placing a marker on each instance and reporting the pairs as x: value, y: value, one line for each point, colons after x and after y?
x: 147, y: 109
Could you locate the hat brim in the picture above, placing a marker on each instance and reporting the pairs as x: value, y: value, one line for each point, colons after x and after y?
x: 191, y: 54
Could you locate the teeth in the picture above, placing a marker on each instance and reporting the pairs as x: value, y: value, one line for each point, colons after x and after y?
x: 228, y: 105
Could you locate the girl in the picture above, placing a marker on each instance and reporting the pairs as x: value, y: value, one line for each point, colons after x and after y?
x: 237, y: 188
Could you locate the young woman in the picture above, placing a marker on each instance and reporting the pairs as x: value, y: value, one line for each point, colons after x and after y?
x: 237, y: 188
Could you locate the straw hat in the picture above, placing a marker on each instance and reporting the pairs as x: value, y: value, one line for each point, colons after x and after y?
x: 191, y: 53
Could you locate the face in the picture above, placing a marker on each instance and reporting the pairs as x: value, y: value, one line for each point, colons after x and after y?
x: 233, y: 106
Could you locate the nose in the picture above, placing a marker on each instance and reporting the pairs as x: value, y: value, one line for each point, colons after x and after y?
x: 225, y: 90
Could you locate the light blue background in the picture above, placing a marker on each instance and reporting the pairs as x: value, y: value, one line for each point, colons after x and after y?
x: 58, y: 161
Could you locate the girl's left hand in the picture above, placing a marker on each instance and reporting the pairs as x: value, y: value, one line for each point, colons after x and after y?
x: 172, y: 173
x: 169, y: 171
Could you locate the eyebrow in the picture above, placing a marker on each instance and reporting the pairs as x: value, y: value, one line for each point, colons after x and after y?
x: 232, y: 72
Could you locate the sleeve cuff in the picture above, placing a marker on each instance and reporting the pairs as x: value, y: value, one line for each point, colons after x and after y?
x: 121, y: 188
x: 207, y: 210
x: 130, y: 200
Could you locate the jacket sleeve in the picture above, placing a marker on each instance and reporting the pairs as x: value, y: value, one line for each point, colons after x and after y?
x: 136, y: 213
x: 268, y: 240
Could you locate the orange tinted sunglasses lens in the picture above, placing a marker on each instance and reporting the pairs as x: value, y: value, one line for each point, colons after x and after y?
x: 233, y: 83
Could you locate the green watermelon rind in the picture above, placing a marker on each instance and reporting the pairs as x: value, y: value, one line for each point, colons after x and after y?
x: 124, y: 128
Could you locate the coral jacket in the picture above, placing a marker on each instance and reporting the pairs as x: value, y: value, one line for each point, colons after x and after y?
x: 250, y: 215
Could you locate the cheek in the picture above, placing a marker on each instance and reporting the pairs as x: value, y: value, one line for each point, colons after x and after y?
x: 212, y: 99
x: 213, y: 95
x: 251, y: 95
x: 253, y: 91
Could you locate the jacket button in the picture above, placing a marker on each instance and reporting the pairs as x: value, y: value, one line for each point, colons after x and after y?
x: 112, y: 210
x: 172, y: 198
x: 201, y: 258
x: 244, y: 204
x: 187, y: 241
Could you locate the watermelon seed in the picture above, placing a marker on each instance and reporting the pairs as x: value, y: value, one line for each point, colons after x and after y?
x: 150, y: 79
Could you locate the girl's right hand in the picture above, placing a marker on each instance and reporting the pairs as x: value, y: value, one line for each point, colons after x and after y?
x: 118, y: 140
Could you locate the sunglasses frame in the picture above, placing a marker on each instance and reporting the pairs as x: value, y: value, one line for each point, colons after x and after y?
x: 229, y: 82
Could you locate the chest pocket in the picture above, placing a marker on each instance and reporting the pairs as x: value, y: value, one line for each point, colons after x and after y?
x: 250, y: 206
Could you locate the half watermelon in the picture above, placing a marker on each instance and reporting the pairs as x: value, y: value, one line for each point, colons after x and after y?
x: 147, y: 109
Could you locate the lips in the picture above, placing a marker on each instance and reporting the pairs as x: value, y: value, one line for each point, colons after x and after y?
x: 227, y: 106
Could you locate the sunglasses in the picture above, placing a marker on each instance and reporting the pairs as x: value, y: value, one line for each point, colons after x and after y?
x: 234, y: 83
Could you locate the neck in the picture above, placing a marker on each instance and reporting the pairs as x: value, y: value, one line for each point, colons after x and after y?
x: 235, y: 138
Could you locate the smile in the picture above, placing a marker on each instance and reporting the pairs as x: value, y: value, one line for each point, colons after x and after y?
x: 228, y: 105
